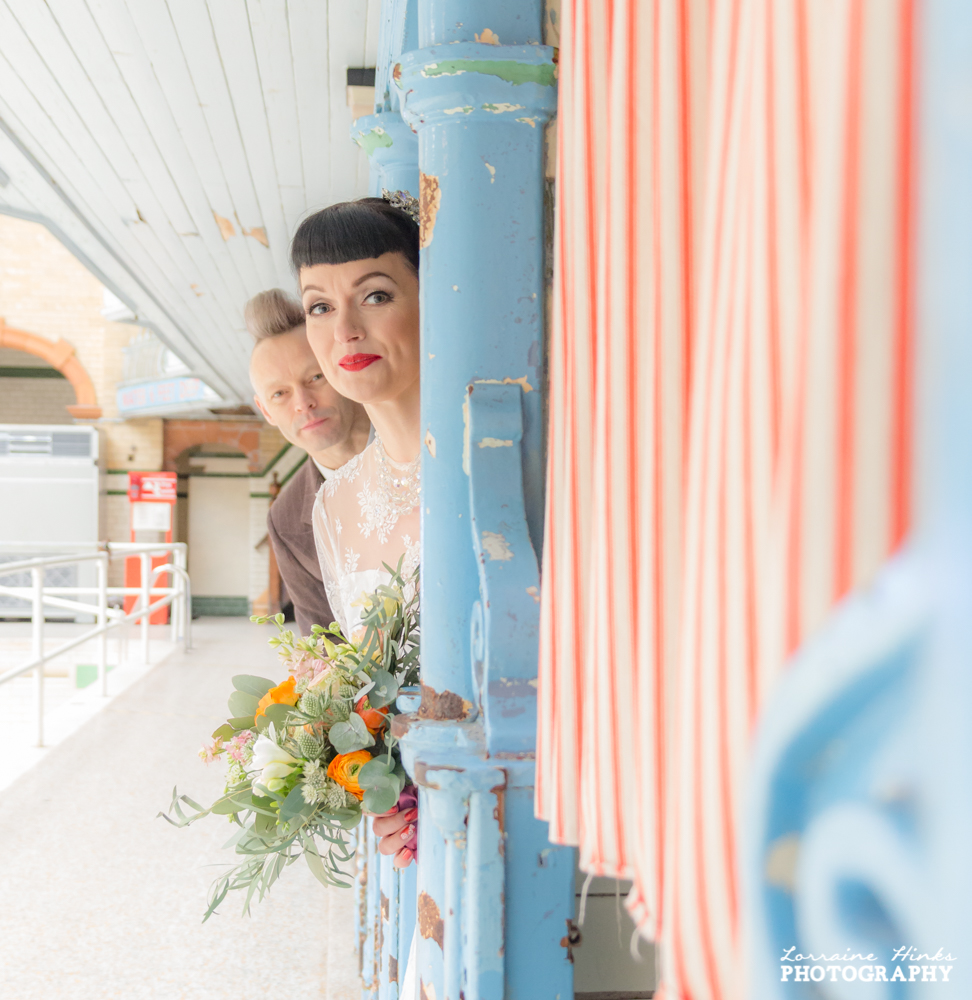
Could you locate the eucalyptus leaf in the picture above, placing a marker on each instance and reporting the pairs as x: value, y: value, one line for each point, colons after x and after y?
x: 278, y: 714
x: 225, y: 732
x: 226, y: 805
x: 380, y: 800
x: 292, y: 805
x: 265, y: 826
x: 348, y: 818
x: 376, y: 769
x: 241, y: 722
x: 256, y: 686
x: 241, y: 704
x: 385, y: 690
x: 349, y: 736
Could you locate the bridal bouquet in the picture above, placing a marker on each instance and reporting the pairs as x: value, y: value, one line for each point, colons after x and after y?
x: 306, y: 756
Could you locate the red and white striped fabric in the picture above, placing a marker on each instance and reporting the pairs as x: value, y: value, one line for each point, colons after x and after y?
x: 581, y: 139
x: 729, y: 414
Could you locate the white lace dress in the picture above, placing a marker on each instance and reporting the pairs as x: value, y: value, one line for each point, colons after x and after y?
x: 366, y: 514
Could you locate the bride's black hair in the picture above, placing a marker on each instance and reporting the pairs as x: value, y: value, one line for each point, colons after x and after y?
x: 354, y: 230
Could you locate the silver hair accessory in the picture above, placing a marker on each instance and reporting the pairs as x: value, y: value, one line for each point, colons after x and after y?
x: 403, y: 200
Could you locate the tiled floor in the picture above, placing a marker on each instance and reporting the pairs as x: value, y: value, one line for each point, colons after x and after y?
x: 66, y: 707
x: 101, y: 899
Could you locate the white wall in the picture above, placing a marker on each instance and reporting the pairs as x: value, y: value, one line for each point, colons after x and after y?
x: 219, y: 533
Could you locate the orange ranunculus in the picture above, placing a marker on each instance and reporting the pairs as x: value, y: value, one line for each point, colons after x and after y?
x: 374, y: 718
x: 344, y: 770
x: 282, y: 694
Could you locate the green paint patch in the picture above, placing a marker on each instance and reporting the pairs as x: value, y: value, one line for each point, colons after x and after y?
x: 506, y: 69
x: 377, y: 138
x: 87, y: 673
x: 16, y: 371
x: 220, y: 607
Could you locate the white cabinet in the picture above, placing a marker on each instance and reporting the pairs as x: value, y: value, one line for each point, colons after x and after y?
x: 50, y: 494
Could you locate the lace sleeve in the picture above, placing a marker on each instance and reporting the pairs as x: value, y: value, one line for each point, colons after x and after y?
x: 326, y: 540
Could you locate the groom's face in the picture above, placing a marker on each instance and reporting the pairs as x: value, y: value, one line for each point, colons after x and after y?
x: 293, y: 394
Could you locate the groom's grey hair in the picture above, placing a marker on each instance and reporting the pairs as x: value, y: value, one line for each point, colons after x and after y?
x: 272, y: 313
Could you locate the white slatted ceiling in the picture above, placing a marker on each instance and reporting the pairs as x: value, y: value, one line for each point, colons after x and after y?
x: 133, y: 124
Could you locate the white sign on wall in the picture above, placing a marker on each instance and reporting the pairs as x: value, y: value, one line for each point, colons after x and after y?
x: 151, y: 516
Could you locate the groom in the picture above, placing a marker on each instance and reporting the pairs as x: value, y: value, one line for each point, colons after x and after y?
x: 293, y: 395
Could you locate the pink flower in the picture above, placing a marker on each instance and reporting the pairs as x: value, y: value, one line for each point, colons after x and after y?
x: 306, y: 666
x: 238, y: 745
x: 209, y: 753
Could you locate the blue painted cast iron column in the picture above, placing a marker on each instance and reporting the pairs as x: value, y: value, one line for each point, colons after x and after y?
x: 493, y: 895
x: 391, y: 145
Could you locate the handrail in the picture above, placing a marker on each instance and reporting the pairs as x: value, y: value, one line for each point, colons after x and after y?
x: 128, y: 548
x: 177, y: 596
x: 172, y: 568
x: 79, y: 639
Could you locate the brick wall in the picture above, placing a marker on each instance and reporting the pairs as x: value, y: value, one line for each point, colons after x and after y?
x: 271, y: 441
x: 236, y: 435
x: 135, y: 444
x: 35, y: 400
x: 116, y: 529
x: 46, y: 291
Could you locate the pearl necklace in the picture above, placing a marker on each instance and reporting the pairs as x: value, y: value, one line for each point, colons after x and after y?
x: 400, y: 482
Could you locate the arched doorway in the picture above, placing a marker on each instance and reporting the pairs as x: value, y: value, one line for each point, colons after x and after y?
x: 60, y: 355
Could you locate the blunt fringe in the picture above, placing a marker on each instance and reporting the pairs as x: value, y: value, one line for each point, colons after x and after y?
x: 272, y: 313
x: 354, y: 230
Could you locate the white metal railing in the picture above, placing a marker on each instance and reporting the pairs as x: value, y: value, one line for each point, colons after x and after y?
x: 178, y: 595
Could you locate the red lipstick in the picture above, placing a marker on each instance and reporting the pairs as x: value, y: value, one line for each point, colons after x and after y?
x: 358, y: 362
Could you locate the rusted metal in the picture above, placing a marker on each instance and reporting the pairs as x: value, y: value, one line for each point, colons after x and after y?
x: 430, y: 198
x: 384, y: 907
x: 400, y: 724
x: 499, y: 810
x: 392, y: 969
x: 442, y: 706
x: 422, y: 775
x: 571, y: 939
x: 430, y: 922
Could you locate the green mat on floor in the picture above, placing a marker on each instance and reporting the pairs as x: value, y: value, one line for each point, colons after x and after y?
x: 87, y: 673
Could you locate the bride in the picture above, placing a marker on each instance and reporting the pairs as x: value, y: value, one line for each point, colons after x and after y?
x: 357, y: 263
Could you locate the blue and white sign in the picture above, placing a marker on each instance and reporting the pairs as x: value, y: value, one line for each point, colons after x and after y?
x: 167, y: 393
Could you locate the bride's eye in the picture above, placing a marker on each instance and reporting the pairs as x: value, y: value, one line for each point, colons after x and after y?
x: 318, y: 309
x: 378, y: 298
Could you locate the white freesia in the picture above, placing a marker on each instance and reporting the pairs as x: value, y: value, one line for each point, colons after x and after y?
x: 273, y: 763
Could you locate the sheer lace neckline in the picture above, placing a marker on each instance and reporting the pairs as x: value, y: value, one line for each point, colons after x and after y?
x: 367, y: 516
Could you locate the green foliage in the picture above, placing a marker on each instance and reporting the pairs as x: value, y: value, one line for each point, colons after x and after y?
x: 383, y: 779
x: 243, y: 705
x: 256, y: 686
x: 296, y: 817
x: 346, y: 737
x: 385, y: 690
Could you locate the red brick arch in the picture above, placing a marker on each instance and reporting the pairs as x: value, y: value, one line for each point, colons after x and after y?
x: 58, y: 354
x: 239, y: 435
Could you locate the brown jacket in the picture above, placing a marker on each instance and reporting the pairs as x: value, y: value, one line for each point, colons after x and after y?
x: 292, y: 534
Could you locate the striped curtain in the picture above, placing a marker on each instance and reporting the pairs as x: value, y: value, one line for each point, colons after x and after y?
x: 729, y: 414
